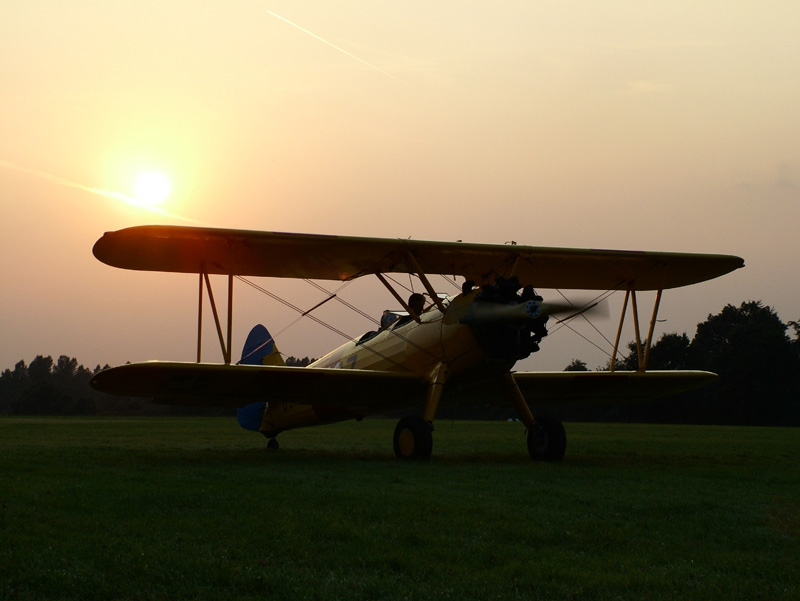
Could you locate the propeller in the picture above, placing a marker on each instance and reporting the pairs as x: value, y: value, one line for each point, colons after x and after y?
x: 489, y: 312
x: 574, y: 309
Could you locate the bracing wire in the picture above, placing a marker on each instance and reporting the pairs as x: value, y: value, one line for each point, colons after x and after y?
x: 596, y: 300
x: 293, y: 307
x: 363, y: 314
x: 325, y: 324
x: 335, y: 294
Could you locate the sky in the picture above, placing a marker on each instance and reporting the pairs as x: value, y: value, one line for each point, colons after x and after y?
x: 631, y: 125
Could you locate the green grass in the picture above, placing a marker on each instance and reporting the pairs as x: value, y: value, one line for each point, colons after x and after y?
x: 199, y: 509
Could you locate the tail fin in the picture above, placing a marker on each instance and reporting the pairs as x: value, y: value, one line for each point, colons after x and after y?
x: 260, y: 349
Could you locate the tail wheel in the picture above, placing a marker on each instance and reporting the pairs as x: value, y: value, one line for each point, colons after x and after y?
x: 547, y: 440
x: 413, y: 439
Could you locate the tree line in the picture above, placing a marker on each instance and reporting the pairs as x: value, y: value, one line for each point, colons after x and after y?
x: 749, y: 347
x: 61, y: 387
x: 756, y: 355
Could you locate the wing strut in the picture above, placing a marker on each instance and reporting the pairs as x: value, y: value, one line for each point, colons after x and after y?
x: 224, y: 346
x: 518, y: 400
x: 397, y: 297
x: 636, y: 333
x: 200, y: 319
x: 619, y: 329
x: 650, y: 330
x: 230, y: 319
x: 425, y: 282
x: 642, y: 358
x: 434, y: 297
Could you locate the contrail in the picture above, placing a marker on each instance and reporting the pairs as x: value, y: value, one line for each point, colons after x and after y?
x: 334, y: 46
x: 130, y: 200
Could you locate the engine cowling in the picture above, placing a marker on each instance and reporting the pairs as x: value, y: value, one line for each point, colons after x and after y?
x: 506, y: 323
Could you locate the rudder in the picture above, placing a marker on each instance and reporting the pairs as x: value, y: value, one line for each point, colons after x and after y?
x: 259, y: 349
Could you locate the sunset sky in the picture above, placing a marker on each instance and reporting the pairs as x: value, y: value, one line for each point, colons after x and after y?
x: 637, y: 125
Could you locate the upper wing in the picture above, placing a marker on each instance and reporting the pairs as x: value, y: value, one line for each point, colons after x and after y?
x: 273, y: 254
x: 203, y: 384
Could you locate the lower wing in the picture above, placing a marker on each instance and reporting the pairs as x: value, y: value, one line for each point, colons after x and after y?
x: 573, y: 387
x: 602, y: 387
x: 213, y: 385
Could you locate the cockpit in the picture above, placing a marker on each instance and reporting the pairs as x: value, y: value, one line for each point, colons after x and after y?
x: 392, y: 319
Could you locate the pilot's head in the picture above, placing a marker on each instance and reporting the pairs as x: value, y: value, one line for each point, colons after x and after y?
x: 416, y: 302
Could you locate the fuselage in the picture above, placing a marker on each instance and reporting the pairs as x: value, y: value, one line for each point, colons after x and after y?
x: 415, y: 346
x: 462, y: 338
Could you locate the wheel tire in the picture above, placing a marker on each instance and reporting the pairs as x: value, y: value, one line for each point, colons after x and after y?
x: 547, y: 440
x: 413, y: 439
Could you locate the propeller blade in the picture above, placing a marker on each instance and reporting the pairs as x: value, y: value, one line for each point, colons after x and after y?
x: 485, y: 313
x: 574, y: 309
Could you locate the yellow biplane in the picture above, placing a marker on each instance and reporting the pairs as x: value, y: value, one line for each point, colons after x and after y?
x: 459, y: 349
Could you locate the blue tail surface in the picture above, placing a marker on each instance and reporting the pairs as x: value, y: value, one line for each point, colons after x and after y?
x: 259, y: 349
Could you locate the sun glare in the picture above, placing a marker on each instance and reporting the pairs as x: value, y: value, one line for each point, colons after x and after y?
x: 152, y: 188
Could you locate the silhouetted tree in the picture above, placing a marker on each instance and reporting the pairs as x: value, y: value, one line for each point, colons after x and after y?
x: 576, y: 365
x: 292, y: 361
x: 47, y: 388
x: 796, y: 342
x: 12, y: 383
x: 758, y: 367
x: 670, y: 352
x: 748, y: 348
x: 39, y: 369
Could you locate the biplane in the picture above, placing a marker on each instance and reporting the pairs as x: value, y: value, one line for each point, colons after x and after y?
x: 459, y: 349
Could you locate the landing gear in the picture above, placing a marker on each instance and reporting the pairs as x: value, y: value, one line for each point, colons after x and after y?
x: 273, y: 445
x: 413, y: 436
x: 413, y: 439
x: 547, y: 440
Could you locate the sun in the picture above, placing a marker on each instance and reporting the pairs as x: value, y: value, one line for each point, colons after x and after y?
x: 152, y: 188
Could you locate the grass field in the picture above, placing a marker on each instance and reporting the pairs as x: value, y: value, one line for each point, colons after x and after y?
x: 198, y: 509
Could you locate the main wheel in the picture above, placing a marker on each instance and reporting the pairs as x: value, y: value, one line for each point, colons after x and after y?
x: 547, y: 440
x: 413, y: 439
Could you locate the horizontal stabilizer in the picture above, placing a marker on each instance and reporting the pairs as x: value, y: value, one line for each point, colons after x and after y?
x: 250, y: 416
